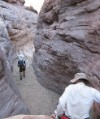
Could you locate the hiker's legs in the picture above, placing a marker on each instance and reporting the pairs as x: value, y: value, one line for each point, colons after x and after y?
x: 20, y: 75
x: 24, y: 68
x: 24, y: 73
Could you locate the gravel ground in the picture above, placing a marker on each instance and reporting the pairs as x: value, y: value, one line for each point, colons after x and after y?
x: 38, y: 99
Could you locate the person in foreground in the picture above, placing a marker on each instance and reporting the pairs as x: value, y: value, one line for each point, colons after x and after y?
x: 77, y: 99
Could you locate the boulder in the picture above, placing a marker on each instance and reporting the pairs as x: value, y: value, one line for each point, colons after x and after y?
x: 29, y: 117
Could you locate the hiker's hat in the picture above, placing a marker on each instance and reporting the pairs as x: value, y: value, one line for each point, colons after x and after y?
x: 21, y: 56
x: 78, y: 76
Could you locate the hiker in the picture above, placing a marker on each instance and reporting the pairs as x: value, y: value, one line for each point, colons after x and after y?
x: 77, y: 99
x: 21, y: 65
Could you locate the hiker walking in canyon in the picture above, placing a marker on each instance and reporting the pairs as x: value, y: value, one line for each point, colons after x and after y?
x: 77, y: 99
x: 21, y: 65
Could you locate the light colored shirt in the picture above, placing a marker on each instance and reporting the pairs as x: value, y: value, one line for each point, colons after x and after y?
x: 21, y: 57
x: 77, y: 100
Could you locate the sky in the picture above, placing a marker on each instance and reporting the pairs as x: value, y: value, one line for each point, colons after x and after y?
x: 37, y: 4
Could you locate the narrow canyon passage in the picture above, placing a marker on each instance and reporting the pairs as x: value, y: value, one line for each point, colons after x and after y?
x: 38, y: 99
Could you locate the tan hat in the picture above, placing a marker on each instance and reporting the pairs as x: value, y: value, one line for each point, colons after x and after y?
x: 78, y: 76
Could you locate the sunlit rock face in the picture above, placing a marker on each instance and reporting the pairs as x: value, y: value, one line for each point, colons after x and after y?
x: 20, y: 23
x: 67, y: 42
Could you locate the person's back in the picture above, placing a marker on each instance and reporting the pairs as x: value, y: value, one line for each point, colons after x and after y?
x: 22, y: 65
x: 21, y: 62
x: 77, y: 99
x: 21, y: 59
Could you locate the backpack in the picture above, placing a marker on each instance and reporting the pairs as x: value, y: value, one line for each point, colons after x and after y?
x: 21, y: 63
x: 64, y: 117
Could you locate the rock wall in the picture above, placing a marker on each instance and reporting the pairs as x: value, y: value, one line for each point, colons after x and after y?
x: 19, y: 2
x: 17, y: 27
x: 67, y: 42
x: 10, y: 99
x: 20, y: 23
x: 30, y: 117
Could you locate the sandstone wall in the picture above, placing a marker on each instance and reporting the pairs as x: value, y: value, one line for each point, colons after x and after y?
x: 17, y: 27
x: 10, y: 99
x: 30, y: 117
x: 16, y: 2
x: 11, y: 102
x: 67, y: 42
x: 20, y: 23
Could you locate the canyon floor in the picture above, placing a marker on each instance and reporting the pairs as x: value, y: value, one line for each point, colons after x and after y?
x: 38, y: 99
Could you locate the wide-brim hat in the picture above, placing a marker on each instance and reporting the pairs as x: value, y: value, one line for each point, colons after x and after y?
x: 79, y: 76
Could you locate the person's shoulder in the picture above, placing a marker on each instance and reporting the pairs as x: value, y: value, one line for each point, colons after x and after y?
x: 69, y: 86
x: 92, y: 89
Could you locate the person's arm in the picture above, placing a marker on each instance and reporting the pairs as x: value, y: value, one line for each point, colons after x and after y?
x: 96, y: 94
x: 60, y: 110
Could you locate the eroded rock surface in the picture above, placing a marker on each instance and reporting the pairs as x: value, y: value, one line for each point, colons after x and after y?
x: 67, y: 42
x: 30, y: 117
x: 19, y: 2
x: 10, y: 99
x: 20, y: 23
x: 17, y: 27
